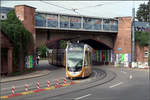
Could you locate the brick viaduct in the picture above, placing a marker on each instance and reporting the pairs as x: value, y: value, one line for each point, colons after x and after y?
x: 120, y: 39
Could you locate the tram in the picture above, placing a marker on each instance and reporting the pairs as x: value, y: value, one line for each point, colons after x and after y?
x: 78, y: 60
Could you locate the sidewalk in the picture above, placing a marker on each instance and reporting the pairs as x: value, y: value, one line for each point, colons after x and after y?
x: 42, y: 69
x: 128, y: 68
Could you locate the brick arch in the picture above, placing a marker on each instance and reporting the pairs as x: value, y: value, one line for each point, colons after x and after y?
x: 105, y: 40
x: 96, y: 44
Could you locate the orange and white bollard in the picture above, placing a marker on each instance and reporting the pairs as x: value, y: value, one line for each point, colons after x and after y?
x: 38, y: 85
x: 65, y: 81
x: 71, y: 81
x: 13, y: 90
x: 26, y: 87
x: 57, y: 83
x: 48, y: 84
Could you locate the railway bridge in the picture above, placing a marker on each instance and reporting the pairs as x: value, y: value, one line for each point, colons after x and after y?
x: 100, y: 33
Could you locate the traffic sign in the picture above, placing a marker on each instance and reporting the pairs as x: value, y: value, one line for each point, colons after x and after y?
x: 119, y: 49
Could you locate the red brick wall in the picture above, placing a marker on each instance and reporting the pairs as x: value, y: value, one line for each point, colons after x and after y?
x: 27, y: 16
x: 5, y: 42
x: 123, y: 38
x: 139, y: 54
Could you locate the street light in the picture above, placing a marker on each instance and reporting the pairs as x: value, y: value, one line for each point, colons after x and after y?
x: 133, y: 40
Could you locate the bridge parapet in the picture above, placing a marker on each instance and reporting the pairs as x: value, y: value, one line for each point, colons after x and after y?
x: 74, y: 22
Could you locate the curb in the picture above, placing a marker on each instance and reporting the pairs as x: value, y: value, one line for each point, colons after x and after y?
x: 23, y: 78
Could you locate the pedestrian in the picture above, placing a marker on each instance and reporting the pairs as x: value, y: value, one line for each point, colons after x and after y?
x: 38, y: 58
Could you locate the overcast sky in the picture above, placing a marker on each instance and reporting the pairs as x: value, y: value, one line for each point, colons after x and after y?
x: 89, y: 8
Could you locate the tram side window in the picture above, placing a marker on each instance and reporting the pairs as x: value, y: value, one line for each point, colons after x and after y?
x: 86, y: 59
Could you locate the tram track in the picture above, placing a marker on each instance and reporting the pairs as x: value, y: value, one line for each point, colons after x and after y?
x: 100, y: 78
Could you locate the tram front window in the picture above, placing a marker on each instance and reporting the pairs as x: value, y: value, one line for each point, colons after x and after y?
x: 74, y: 61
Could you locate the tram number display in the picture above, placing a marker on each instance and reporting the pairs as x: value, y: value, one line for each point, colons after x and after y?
x: 75, y: 49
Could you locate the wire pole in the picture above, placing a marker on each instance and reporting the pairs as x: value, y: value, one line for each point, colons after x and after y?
x: 133, y: 35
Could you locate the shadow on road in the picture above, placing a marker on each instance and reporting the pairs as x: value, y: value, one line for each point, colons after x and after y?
x: 44, y: 65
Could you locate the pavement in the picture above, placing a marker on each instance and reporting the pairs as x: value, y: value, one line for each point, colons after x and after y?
x: 42, y: 69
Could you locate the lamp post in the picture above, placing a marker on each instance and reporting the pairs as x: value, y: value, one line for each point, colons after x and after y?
x: 133, y: 40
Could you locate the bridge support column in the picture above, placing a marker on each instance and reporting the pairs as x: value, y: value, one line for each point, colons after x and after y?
x: 26, y: 15
x: 123, y: 39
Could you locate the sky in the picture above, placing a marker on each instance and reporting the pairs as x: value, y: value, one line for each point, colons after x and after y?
x: 107, y: 9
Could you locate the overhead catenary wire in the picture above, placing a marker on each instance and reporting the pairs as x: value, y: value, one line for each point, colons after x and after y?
x: 59, y: 6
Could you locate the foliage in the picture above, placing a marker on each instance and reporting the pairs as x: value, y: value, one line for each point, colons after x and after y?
x: 143, y: 12
x: 21, y: 37
x: 63, y: 44
x: 141, y: 38
x: 42, y: 51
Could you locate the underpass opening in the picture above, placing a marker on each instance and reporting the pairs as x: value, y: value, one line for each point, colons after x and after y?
x: 101, y: 53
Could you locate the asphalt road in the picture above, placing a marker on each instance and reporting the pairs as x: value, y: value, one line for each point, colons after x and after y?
x: 105, y: 83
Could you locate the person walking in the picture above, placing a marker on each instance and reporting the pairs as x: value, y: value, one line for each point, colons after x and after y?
x: 38, y: 58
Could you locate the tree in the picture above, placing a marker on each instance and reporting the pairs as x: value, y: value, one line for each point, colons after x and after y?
x: 42, y: 51
x: 21, y: 38
x: 141, y: 38
x: 143, y: 12
x: 63, y: 44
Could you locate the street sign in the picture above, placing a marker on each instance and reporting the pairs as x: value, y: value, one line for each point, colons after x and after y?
x: 119, y: 49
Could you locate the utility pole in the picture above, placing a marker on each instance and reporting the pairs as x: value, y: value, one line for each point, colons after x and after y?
x: 133, y: 35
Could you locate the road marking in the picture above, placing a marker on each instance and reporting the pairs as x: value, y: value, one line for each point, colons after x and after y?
x: 124, y: 72
x: 116, y: 85
x: 82, y: 97
x: 130, y: 77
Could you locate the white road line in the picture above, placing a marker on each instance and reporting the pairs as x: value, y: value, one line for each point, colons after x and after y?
x: 124, y: 72
x: 116, y: 85
x: 82, y: 97
x: 130, y: 77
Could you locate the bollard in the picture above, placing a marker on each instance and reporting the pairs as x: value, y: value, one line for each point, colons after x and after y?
x: 71, y: 81
x: 13, y: 89
x: 65, y: 81
x: 26, y: 87
x: 38, y: 85
x: 48, y: 84
x: 57, y: 84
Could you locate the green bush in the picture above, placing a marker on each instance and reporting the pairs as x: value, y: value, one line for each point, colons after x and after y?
x: 21, y: 37
x: 141, y: 38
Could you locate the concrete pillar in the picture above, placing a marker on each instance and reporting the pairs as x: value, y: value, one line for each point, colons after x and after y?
x: 10, y: 67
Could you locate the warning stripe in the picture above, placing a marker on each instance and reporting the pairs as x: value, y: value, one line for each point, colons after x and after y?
x: 35, y: 91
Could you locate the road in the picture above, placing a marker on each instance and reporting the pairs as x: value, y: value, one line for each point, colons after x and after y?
x: 105, y: 83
